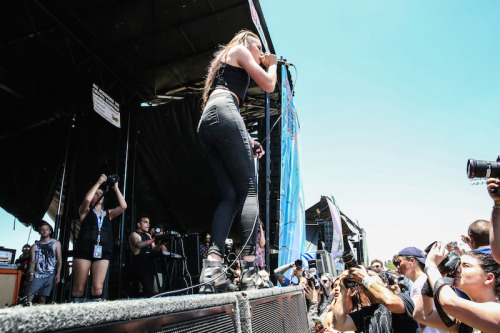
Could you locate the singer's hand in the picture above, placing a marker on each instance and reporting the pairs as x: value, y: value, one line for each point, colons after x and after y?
x: 268, y: 59
x: 258, y: 151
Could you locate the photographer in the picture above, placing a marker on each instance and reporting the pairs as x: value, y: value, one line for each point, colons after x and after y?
x: 298, y: 272
x: 94, y: 244
x: 479, y: 276
x: 354, y: 300
x: 494, y: 183
x: 317, y: 299
x: 388, y: 312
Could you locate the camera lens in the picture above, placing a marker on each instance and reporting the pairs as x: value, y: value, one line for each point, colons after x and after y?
x: 482, y: 169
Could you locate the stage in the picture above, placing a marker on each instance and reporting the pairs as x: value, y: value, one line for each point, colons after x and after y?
x: 266, y: 310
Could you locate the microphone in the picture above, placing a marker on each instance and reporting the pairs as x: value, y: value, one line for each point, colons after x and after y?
x: 282, y: 61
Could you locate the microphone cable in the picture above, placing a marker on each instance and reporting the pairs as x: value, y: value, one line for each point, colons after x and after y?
x: 224, y: 270
x: 185, y: 270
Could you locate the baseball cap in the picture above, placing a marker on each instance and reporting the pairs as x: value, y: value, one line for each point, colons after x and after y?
x: 413, y: 252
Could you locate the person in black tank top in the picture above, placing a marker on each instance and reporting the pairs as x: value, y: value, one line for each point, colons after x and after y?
x: 142, y: 262
x: 94, y: 244
x: 230, y: 151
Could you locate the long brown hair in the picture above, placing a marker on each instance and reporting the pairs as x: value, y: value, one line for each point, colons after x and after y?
x: 240, y: 38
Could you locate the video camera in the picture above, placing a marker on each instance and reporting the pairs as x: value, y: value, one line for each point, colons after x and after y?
x: 484, y: 169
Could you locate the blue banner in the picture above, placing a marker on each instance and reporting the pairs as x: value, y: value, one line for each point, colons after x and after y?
x: 292, y: 210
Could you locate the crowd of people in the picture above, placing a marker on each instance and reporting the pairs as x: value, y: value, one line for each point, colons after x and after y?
x: 451, y: 289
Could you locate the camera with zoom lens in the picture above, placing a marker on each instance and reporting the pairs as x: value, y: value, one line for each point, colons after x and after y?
x: 349, y: 261
x: 484, y: 169
x: 449, y: 265
x: 112, y: 180
x: 311, y: 276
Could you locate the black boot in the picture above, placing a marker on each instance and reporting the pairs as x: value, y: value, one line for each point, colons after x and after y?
x: 214, y: 279
x: 250, y: 278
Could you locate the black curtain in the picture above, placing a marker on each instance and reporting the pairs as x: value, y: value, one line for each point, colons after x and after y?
x: 30, y: 169
x: 174, y: 182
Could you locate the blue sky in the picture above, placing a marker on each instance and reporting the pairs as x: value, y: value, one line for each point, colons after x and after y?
x: 393, y: 98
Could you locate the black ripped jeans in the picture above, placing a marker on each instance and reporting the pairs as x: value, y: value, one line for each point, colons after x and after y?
x: 224, y: 138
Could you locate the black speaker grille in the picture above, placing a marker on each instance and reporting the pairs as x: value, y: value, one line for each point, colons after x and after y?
x: 299, y: 314
x: 286, y: 316
x: 210, y: 324
x: 267, y: 318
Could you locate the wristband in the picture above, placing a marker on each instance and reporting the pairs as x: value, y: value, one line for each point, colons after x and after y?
x: 367, y: 281
x: 497, y: 202
x: 496, y: 206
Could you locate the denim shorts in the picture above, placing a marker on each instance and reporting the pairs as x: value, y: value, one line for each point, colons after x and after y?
x: 42, y: 286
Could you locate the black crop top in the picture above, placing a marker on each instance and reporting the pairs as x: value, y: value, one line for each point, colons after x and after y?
x: 232, y: 78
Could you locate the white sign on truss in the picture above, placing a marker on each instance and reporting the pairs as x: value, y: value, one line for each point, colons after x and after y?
x: 106, y: 106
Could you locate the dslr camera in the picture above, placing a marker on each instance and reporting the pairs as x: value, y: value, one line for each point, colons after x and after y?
x: 449, y: 265
x: 349, y: 262
x: 484, y: 169
x: 312, y: 276
x: 112, y: 180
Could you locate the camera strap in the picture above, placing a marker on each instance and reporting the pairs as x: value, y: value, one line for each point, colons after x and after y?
x: 447, y: 320
x: 100, y: 220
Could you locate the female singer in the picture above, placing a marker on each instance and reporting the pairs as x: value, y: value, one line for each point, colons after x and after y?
x: 231, y: 152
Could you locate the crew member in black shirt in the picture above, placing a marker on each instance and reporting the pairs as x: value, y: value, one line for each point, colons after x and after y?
x: 142, y: 245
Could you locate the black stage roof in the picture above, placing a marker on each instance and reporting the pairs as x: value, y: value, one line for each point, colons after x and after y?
x: 51, y: 52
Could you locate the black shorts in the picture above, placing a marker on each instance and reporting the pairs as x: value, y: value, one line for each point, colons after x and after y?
x: 90, y: 256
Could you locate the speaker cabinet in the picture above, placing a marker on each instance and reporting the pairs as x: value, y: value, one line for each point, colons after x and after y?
x: 325, y: 263
x: 10, y: 280
x: 270, y: 310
